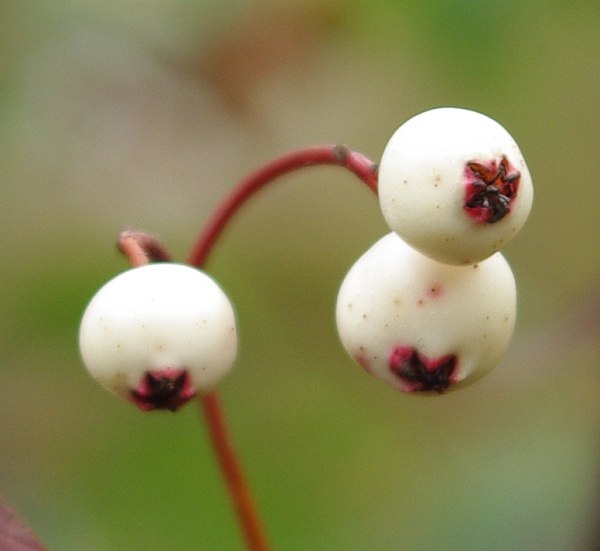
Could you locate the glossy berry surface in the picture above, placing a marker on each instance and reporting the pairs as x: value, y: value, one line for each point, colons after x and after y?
x: 158, y: 334
x: 421, y: 325
x: 454, y: 184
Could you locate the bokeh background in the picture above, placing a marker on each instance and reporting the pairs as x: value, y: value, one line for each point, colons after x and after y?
x: 145, y: 113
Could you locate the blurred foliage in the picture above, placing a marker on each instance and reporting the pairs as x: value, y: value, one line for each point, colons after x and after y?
x: 144, y: 114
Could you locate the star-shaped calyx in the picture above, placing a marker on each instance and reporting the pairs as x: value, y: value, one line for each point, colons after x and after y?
x: 421, y: 374
x: 490, y: 189
x: 163, y: 389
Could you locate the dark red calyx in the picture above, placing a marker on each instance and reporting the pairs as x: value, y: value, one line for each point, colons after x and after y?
x: 163, y: 389
x: 422, y: 374
x: 490, y: 189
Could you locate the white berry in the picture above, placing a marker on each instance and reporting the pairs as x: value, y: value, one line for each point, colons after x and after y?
x: 158, y: 334
x: 421, y: 325
x: 454, y: 184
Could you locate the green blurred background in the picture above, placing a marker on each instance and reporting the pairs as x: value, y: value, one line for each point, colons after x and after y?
x: 144, y: 113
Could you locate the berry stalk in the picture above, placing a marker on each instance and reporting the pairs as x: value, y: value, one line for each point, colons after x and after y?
x: 141, y: 248
x: 365, y: 170
x: 337, y: 155
x: 241, y: 495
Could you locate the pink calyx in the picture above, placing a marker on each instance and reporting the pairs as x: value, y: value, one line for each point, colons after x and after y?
x: 420, y: 373
x: 490, y: 189
x: 166, y: 388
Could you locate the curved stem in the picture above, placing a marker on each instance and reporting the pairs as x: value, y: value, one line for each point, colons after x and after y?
x: 361, y: 166
x: 365, y: 170
x: 141, y: 248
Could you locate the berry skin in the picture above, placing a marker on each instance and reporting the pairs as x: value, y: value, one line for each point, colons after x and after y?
x: 454, y: 185
x: 421, y: 325
x: 158, y: 334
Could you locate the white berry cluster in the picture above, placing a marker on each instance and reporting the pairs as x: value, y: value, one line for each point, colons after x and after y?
x: 433, y: 303
x: 429, y: 306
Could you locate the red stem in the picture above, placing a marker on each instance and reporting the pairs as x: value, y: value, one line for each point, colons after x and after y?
x: 362, y: 167
x: 339, y: 155
x: 141, y: 248
x: 251, y: 526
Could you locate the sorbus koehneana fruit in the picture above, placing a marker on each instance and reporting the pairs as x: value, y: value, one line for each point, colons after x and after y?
x: 158, y: 334
x: 421, y: 325
x: 454, y: 184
